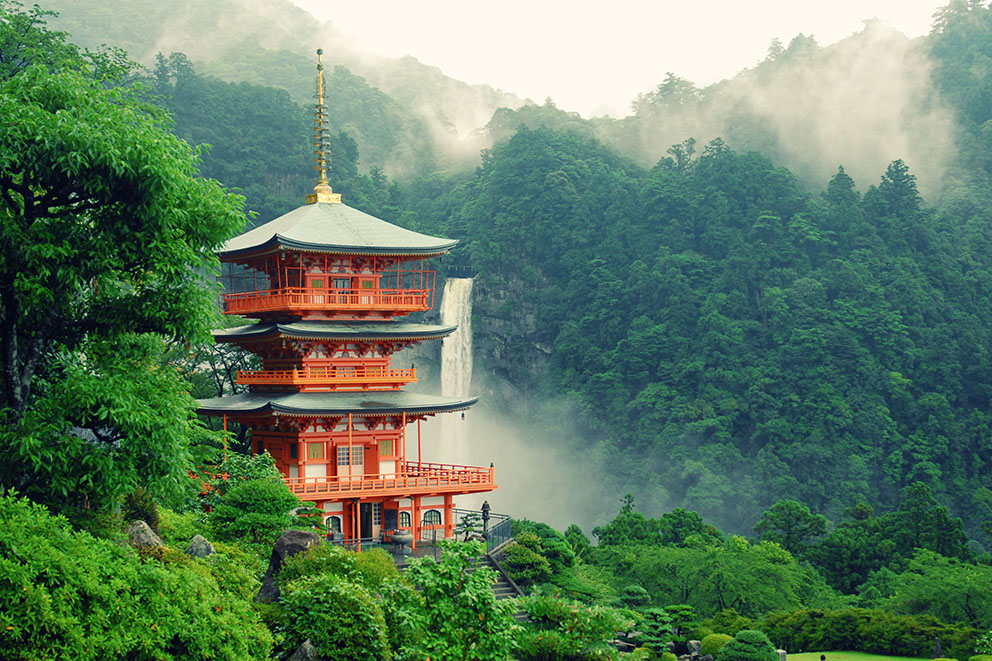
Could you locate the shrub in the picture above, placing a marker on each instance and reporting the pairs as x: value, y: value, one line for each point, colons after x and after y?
x: 178, y: 529
x: 317, y: 560
x: 869, y: 631
x: 255, y: 510
x: 668, y: 656
x: 525, y: 566
x: 728, y: 621
x: 634, y: 596
x: 368, y: 568
x: 564, y: 629
x: 340, y: 618
x: 66, y: 594
x: 980, y: 657
x: 748, y: 645
x: 139, y: 506
x: 712, y: 644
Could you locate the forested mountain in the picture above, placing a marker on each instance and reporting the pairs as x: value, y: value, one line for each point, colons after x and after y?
x: 734, y: 332
x: 272, y: 43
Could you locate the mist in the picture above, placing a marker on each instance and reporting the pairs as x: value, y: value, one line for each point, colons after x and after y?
x: 860, y: 103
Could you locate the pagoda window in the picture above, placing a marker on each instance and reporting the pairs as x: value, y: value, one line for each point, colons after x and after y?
x: 376, y: 514
x: 432, y: 518
x: 259, y: 447
x: 334, y: 523
x: 386, y: 448
x: 404, y: 519
x: 351, y: 456
x: 293, y: 451
x: 315, y: 450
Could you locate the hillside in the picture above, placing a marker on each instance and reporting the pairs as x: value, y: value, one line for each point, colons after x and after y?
x: 273, y: 43
x: 730, y: 334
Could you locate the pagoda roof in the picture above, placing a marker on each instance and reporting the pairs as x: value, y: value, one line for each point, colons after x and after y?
x: 308, y: 404
x: 333, y: 227
x: 335, y: 330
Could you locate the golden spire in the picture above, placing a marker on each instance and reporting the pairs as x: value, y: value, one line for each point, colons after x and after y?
x: 321, y: 142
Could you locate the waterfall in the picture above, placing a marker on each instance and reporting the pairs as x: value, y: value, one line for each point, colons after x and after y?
x: 456, y: 364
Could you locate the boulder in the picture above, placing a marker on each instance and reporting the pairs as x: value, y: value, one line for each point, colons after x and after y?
x: 289, y: 544
x: 305, y: 652
x: 142, y: 536
x: 706, y: 657
x: 199, y: 547
x: 781, y: 654
x: 694, y: 646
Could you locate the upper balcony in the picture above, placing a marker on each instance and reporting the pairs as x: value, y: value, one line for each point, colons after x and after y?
x: 332, y: 377
x: 414, y: 479
x: 304, y: 301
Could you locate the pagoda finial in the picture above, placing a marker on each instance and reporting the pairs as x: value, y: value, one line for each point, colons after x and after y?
x: 321, y: 142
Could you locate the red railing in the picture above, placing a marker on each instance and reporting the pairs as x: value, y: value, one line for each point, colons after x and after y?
x: 333, y: 376
x: 298, y: 298
x: 413, y: 478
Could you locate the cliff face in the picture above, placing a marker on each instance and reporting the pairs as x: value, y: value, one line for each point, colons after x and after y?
x: 512, y: 352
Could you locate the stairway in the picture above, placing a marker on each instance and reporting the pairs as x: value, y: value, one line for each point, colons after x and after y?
x: 504, y: 587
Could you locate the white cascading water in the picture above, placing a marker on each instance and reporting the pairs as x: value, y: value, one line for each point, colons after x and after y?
x: 456, y: 364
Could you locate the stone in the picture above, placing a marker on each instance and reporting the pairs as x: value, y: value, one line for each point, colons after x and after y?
x: 142, y: 536
x: 685, y: 657
x: 694, y: 646
x: 706, y: 657
x: 199, y: 547
x: 305, y: 652
x: 289, y: 544
x: 781, y: 654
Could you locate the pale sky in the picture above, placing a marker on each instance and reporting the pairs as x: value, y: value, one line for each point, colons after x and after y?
x: 595, y: 58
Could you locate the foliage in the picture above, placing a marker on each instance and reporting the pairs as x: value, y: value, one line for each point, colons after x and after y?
x: 713, y: 643
x: 460, y: 617
x: 370, y: 568
x: 256, y: 510
x: 748, y: 645
x: 525, y: 565
x: 754, y: 579
x: 791, y: 525
x: 871, y: 631
x: 139, y: 506
x: 983, y: 645
x: 107, y: 233
x: 65, y: 594
x: 728, y: 622
x: 567, y: 630
x: 948, y: 589
x: 341, y: 619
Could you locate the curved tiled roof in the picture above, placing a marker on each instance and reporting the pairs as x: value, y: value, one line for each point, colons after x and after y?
x: 324, y: 330
x: 310, y: 404
x: 334, y: 228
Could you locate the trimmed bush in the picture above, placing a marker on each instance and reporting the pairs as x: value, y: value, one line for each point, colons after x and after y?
x: 712, y: 644
x: 980, y: 657
x: 748, y: 645
x: 525, y: 565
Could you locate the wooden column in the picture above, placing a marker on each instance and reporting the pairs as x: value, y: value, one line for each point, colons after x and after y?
x: 449, y: 516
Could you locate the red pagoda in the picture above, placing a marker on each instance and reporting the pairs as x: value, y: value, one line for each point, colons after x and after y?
x: 327, y: 284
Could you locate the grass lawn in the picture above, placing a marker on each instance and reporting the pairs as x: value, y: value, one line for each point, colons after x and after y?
x: 845, y: 656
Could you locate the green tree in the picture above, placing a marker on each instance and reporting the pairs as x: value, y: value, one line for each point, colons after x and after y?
x: 792, y: 525
x: 107, y: 232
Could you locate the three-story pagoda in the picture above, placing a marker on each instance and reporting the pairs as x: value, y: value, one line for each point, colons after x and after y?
x: 327, y: 285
